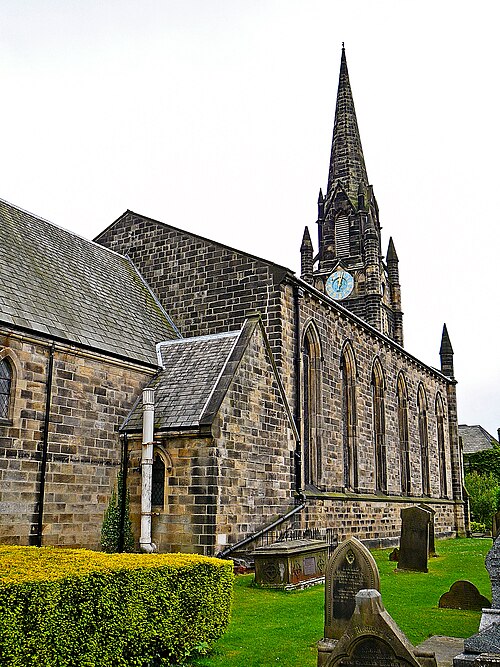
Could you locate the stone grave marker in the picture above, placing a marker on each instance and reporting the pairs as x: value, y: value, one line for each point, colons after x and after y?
x: 372, y: 639
x: 484, y: 647
x: 463, y: 595
x: 394, y: 555
x: 350, y: 568
x: 414, y: 541
x: 432, y: 530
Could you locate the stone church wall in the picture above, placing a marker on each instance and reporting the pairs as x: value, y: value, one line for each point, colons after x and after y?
x: 369, y: 518
x: 223, y: 486
x: 186, y: 522
x: 91, y: 395
x: 205, y: 287
x: 255, y: 447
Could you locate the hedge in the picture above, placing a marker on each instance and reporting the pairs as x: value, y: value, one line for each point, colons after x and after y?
x: 79, y: 608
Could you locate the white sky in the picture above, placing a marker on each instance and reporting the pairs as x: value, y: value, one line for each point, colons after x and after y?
x: 216, y: 116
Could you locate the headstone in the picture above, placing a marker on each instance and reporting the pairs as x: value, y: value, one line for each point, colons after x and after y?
x: 414, y: 542
x: 463, y: 595
x: 394, y: 555
x: 432, y: 530
x: 372, y: 639
x: 350, y: 569
x: 492, y: 563
x: 484, y: 647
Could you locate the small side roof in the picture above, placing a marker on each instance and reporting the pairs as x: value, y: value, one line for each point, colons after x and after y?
x: 61, y: 285
x: 194, y: 374
x: 475, y: 438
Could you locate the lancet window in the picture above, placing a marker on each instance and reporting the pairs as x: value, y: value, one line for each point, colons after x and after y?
x: 348, y: 371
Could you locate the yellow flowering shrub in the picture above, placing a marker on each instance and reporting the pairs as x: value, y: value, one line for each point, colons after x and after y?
x: 79, y: 608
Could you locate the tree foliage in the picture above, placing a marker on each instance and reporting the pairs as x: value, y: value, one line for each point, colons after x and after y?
x: 484, y: 491
x: 484, y: 462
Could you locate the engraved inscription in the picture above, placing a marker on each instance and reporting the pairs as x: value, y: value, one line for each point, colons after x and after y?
x: 372, y: 652
x: 309, y: 566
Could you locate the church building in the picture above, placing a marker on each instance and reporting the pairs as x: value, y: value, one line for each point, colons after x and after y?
x: 232, y: 394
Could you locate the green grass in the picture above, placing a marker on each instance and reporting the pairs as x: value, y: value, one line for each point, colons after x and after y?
x: 278, y: 628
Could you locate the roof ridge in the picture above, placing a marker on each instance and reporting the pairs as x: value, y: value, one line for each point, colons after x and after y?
x: 198, y: 236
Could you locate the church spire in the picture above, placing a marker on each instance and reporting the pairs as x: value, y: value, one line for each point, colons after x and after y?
x: 347, y: 164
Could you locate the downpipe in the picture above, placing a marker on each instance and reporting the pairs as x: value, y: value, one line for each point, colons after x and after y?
x: 148, y: 415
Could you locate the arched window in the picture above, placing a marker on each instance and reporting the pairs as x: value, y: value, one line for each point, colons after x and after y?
x: 424, y: 440
x: 443, y: 485
x: 158, y: 482
x: 348, y: 371
x: 311, y: 359
x: 379, y: 427
x: 5, y: 388
x: 404, y: 445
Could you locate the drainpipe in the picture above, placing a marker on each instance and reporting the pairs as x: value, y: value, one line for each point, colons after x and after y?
x: 45, y: 446
x: 148, y: 415
x: 298, y: 407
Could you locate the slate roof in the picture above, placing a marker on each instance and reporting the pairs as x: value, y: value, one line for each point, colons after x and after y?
x: 475, y: 438
x: 194, y: 379
x: 61, y: 285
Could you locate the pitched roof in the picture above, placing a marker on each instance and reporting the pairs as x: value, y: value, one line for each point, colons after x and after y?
x: 56, y: 283
x: 475, y: 438
x: 193, y: 381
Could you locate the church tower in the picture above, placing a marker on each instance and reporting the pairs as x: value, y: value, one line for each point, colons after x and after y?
x: 349, y: 266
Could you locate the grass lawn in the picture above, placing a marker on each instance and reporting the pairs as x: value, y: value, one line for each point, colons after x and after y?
x: 277, y: 628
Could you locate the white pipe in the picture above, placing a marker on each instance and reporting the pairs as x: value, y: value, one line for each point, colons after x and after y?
x: 148, y: 416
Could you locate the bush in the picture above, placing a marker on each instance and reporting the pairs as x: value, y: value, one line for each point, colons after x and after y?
x: 483, y: 493
x: 77, y: 608
x: 111, y: 540
x: 477, y: 527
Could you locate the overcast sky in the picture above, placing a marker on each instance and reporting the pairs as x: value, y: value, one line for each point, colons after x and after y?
x: 216, y: 116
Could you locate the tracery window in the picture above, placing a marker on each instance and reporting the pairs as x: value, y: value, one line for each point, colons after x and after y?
x: 379, y: 427
x: 443, y: 485
x: 404, y: 445
x: 5, y: 388
x: 424, y: 440
x: 311, y: 359
x: 348, y: 371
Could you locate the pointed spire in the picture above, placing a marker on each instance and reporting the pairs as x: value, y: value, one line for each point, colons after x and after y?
x: 306, y: 239
x: 347, y: 163
x: 446, y: 354
x: 306, y: 257
x: 446, y: 347
x: 391, y: 252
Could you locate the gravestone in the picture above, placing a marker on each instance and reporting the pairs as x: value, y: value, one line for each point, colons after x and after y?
x: 432, y: 529
x: 372, y: 639
x: 414, y: 541
x: 394, y: 555
x: 484, y: 647
x: 463, y: 595
x: 350, y: 569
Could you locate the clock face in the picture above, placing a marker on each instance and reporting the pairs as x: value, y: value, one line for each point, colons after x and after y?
x: 339, y: 285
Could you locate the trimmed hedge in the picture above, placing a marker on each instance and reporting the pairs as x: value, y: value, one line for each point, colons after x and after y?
x: 78, y: 608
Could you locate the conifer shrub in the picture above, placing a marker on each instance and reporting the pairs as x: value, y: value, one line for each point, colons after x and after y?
x: 111, y: 539
x: 78, y: 608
